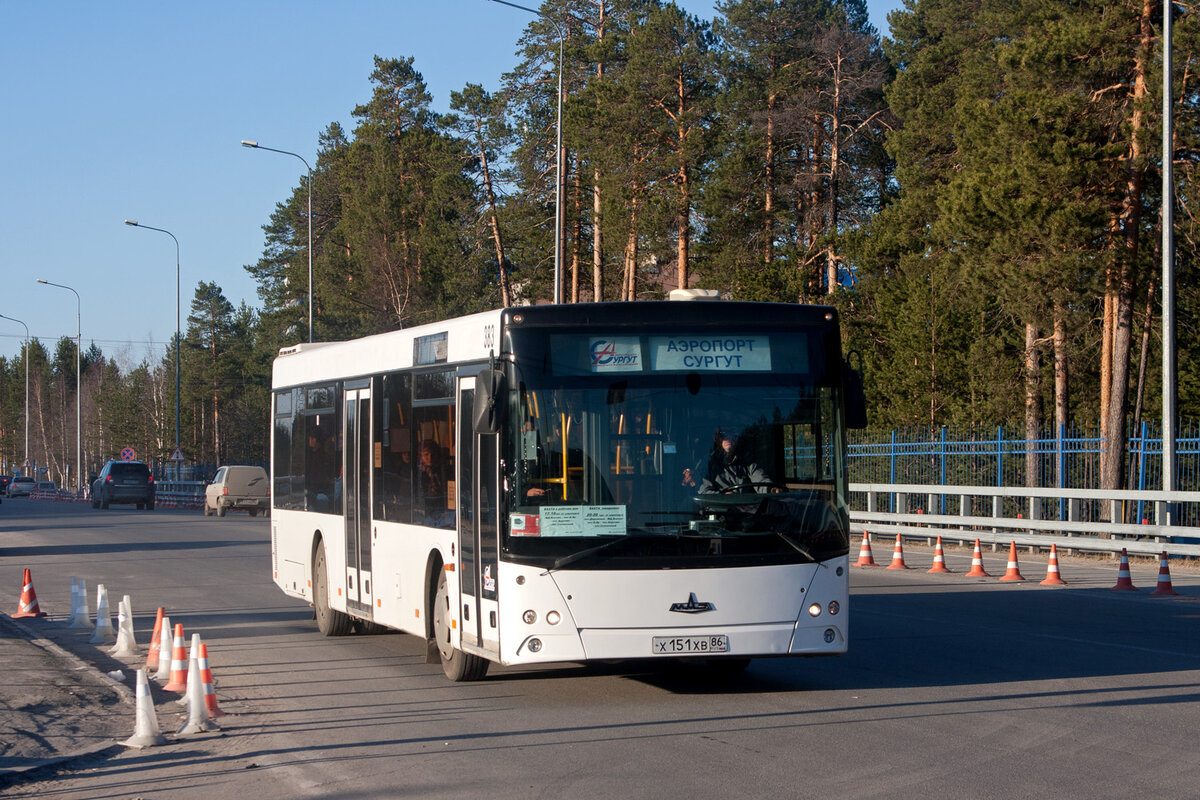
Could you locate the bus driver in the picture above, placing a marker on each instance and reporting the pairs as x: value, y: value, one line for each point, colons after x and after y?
x: 729, y: 469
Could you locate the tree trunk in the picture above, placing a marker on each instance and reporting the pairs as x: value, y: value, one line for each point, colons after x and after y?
x: 1061, y: 393
x: 1060, y: 382
x: 1129, y: 224
x: 1033, y: 404
x: 769, y: 181
x: 629, y: 284
x: 597, y: 238
x: 835, y: 127
x: 685, y: 189
x: 1106, y: 343
x: 1141, y: 384
x: 575, y: 243
x: 489, y: 192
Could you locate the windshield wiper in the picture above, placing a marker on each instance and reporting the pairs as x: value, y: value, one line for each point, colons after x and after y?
x: 799, y: 548
x: 573, y: 557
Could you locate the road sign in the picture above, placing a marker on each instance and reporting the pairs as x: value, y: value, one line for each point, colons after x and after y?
x: 128, y: 455
x: 177, y: 455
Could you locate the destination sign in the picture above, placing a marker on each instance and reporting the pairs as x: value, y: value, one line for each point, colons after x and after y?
x: 708, y: 353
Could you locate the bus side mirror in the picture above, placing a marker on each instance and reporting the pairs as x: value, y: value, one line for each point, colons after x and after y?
x: 491, y: 401
x: 855, y: 398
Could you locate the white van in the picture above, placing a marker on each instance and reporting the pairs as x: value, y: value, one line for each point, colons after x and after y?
x: 238, y: 488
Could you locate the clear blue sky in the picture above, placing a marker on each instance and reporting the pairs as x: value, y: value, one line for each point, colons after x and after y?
x: 135, y: 110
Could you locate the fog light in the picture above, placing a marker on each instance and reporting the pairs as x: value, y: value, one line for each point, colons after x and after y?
x: 529, y: 616
x: 554, y: 618
x: 834, y: 606
x: 829, y: 636
x: 814, y: 610
x: 535, y: 645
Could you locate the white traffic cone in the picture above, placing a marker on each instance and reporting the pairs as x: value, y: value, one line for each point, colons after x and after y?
x: 193, y: 655
x: 126, y: 644
x: 164, y: 652
x: 104, y: 628
x: 198, y: 720
x: 145, y: 730
x: 80, y: 614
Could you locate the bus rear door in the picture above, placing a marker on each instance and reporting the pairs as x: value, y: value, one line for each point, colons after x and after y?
x: 356, y: 494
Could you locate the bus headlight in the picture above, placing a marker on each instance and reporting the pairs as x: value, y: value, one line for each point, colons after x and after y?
x: 554, y: 618
x: 834, y: 606
x: 529, y: 616
x: 814, y: 610
x: 535, y: 645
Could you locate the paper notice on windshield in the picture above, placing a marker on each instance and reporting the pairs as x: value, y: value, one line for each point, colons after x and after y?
x: 582, y: 520
x: 711, y: 353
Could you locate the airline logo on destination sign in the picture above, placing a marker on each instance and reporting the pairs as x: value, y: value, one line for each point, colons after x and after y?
x: 711, y: 353
x: 616, y: 354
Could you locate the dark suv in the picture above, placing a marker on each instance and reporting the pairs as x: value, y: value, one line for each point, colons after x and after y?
x: 127, y: 482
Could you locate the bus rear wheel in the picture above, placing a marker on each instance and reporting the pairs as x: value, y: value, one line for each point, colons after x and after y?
x: 329, y: 621
x: 457, y: 665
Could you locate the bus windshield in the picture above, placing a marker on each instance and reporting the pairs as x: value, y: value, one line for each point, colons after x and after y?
x: 688, y: 449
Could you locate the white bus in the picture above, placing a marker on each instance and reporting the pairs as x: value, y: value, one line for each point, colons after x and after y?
x: 539, y: 484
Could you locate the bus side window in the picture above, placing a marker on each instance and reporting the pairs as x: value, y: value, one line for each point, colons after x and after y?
x: 393, y: 437
x: 433, y: 466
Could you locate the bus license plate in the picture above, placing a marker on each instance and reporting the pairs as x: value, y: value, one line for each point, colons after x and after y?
x: 689, y: 645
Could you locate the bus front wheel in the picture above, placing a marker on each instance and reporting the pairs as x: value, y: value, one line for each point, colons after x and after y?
x: 457, y: 665
x: 329, y: 621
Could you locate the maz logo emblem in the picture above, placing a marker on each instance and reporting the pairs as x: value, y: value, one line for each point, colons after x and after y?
x: 692, y: 606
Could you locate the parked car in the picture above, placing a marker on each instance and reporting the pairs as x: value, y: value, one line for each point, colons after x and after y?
x: 239, y: 488
x: 127, y: 482
x: 21, y: 485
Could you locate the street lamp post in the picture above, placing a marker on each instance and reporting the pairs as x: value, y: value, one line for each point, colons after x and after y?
x: 178, y: 338
x: 78, y: 383
x: 256, y: 146
x: 558, y: 153
x: 26, y: 327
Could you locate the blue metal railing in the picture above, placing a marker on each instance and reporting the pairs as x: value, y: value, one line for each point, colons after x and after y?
x: 1059, y: 459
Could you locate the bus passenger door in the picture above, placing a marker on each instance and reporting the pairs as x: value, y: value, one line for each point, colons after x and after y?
x: 477, y: 543
x: 356, y: 498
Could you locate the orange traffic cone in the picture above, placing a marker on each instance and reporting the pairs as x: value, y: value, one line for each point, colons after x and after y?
x: 210, y: 695
x: 1124, y: 581
x: 1052, y: 576
x: 1164, y: 579
x: 28, y: 606
x: 1013, y: 573
x: 898, y: 555
x: 179, y: 664
x: 155, y: 641
x: 939, y: 558
x: 977, y: 570
x: 865, y: 557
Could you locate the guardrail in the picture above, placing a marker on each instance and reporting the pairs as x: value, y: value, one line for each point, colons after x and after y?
x: 1069, y: 530
x: 185, y: 500
x: 181, y: 487
x: 57, y: 496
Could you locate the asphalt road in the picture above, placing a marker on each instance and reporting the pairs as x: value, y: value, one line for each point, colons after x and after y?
x: 954, y: 687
